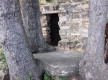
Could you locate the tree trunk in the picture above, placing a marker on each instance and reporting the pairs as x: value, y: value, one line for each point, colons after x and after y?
x: 13, y: 40
x: 31, y: 21
x: 92, y: 67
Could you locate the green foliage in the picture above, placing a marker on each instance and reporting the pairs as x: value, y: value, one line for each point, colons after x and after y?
x: 47, y: 1
x: 30, y: 76
x: 47, y: 77
x: 62, y: 78
x: 42, y: 1
x: 3, y: 64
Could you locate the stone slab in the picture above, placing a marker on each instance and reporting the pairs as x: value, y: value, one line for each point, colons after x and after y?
x: 60, y: 63
x: 53, y: 12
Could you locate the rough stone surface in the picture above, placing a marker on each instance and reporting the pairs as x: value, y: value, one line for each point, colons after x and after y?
x: 60, y: 63
x: 73, y: 22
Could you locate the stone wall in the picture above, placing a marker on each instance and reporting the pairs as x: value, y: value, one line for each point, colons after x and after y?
x: 45, y: 27
x: 73, y: 23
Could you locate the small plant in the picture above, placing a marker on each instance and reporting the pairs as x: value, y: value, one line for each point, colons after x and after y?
x: 46, y: 76
x: 30, y: 76
x: 3, y: 64
x: 62, y: 78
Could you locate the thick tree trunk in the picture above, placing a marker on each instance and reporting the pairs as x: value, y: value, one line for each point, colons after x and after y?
x: 31, y: 21
x: 19, y: 58
x: 92, y: 67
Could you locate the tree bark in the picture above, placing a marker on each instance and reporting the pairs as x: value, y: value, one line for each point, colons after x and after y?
x: 92, y: 67
x: 31, y: 21
x: 13, y: 40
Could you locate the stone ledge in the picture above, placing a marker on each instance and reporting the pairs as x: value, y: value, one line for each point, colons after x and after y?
x: 53, y: 12
x: 60, y: 63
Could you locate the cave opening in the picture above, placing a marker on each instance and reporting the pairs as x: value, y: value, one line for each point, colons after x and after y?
x: 54, y: 29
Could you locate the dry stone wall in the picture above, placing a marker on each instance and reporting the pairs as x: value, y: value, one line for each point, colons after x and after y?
x: 45, y: 27
x: 73, y: 23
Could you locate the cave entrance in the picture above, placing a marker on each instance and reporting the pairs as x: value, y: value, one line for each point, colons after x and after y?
x: 54, y: 29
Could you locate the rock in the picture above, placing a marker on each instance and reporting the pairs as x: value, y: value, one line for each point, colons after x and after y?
x: 60, y: 63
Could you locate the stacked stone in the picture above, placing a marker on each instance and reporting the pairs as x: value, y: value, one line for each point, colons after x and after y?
x: 45, y: 28
x: 48, y: 7
x: 73, y: 25
x: 45, y: 18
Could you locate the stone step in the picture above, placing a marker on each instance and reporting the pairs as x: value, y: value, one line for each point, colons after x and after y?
x: 60, y: 63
